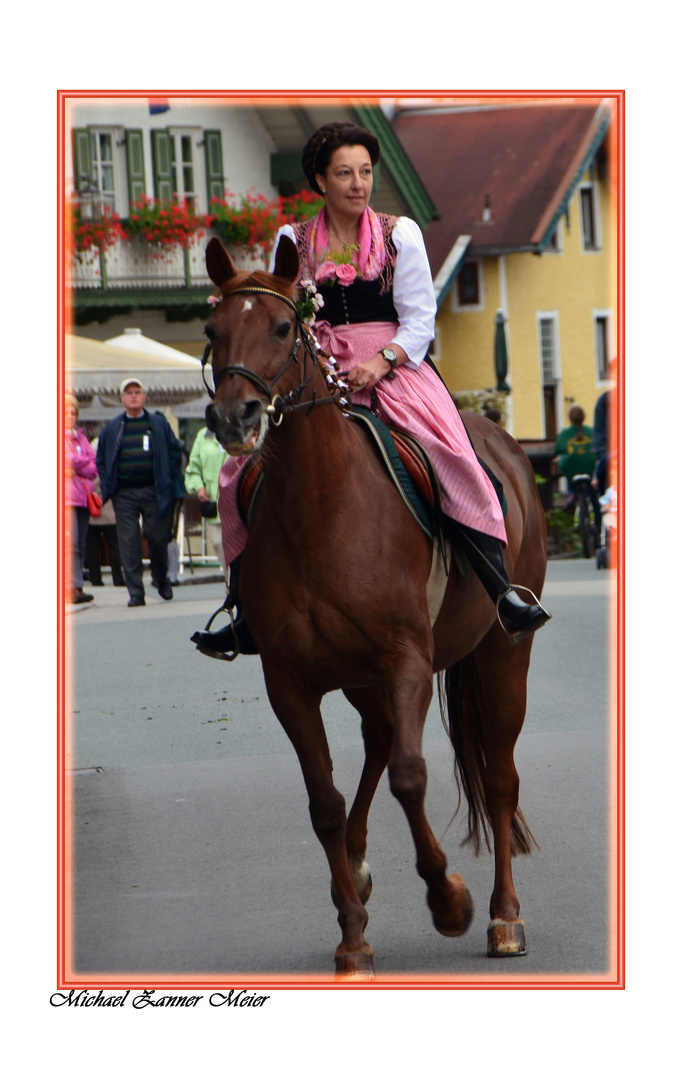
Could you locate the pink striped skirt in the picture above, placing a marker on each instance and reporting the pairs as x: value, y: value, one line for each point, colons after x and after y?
x: 419, y: 402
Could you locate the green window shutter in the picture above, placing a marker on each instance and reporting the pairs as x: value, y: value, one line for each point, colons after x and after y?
x: 163, y: 165
x: 81, y: 157
x: 213, y: 148
x: 135, y: 162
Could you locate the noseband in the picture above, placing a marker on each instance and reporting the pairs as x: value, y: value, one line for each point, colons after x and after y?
x: 277, y: 406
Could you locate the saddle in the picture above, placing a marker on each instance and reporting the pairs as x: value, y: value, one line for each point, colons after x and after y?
x: 411, y: 470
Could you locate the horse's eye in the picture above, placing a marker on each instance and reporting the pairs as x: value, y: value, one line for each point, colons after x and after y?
x: 209, y: 331
x: 282, y: 330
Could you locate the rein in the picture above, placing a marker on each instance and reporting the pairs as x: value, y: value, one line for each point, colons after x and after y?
x: 277, y: 406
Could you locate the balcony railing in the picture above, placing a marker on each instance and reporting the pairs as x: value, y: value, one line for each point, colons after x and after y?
x: 132, y: 264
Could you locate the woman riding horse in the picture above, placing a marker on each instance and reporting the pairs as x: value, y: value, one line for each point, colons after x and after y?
x: 372, y: 273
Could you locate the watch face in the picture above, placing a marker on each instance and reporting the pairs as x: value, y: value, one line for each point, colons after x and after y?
x: 389, y: 354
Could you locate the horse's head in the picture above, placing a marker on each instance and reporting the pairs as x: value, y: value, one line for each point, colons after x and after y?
x: 253, y: 334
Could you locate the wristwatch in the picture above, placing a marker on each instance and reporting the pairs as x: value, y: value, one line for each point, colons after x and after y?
x: 392, y: 357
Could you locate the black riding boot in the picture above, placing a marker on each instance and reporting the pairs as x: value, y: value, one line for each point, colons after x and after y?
x: 485, y: 555
x: 234, y: 638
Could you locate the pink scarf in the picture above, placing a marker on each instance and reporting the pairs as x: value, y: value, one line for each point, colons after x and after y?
x: 369, y: 260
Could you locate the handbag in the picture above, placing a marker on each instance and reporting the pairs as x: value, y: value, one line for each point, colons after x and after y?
x: 94, y: 501
x: 208, y: 509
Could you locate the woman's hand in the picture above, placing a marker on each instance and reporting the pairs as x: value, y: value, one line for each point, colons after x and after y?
x: 371, y: 371
x: 202, y: 495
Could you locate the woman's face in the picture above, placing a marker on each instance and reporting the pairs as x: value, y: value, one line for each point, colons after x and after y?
x: 70, y: 417
x: 347, y: 183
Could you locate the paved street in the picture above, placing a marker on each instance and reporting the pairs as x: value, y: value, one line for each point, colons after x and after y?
x: 194, y: 851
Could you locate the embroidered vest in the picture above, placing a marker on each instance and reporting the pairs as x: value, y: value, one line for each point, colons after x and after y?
x: 363, y: 301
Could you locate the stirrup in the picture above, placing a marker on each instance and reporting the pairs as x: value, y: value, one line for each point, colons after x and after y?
x: 229, y: 608
x: 543, y: 615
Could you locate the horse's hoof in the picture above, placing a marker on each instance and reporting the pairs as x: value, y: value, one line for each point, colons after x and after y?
x: 355, y: 967
x: 457, y: 919
x: 506, y: 938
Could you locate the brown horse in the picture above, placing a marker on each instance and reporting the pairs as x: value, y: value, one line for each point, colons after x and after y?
x: 333, y: 588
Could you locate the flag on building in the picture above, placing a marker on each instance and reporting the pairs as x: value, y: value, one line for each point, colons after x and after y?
x: 158, y: 105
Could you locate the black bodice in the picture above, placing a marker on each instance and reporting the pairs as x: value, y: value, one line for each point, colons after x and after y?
x: 360, y: 302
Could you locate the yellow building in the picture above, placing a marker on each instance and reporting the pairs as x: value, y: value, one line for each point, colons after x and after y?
x: 526, y: 202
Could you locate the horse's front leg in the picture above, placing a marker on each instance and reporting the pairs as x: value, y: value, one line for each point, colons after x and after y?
x: 447, y: 896
x: 299, y: 713
x: 377, y: 731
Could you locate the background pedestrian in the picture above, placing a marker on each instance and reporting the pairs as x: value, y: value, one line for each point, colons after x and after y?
x: 139, y: 459
x: 80, y: 471
x: 201, y: 479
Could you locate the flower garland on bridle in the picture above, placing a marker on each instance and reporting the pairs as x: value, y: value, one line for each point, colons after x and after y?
x: 307, y: 307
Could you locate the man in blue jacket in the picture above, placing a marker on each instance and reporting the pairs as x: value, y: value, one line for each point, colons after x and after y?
x: 139, y: 461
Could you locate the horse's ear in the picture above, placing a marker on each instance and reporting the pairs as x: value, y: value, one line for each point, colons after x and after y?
x: 218, y: 263
x: 286, y: 259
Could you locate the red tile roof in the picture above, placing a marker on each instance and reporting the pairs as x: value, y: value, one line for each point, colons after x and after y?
x: 522, y: 156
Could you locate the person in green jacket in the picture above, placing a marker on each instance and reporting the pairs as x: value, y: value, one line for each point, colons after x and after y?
x: 574, y: 447
x: 575, y: 455
x: 201, y: 479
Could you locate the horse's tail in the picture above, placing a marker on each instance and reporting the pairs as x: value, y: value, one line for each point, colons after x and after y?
x: 461, y: 706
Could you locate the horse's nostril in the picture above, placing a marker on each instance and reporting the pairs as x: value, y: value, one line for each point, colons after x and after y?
x: 251, y: 412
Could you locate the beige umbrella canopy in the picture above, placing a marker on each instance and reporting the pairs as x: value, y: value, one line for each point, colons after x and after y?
x: 96, y: 368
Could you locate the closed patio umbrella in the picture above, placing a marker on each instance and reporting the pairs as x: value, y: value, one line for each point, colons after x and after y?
x: 500, y: 353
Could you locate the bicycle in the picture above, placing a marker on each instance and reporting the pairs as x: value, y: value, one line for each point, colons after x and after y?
x: 584, y: 510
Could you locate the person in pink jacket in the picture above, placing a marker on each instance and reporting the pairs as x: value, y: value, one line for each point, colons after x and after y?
x: 79, y: 471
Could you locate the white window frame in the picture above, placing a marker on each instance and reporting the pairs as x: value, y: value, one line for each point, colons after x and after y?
x: 195, y: 135
x: 454, y: 292
x: 607, y: 315
x: 553, y: 317
x: 593, y: 188
x: 559, y: 233
x: 119, y: 170
x: 436, y: 350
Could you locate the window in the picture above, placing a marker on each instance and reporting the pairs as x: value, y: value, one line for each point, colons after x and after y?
x: 554, y: 244
x: 434, y: 350
x: 178, y: 165
x: 182, y: 164
x: 467, y: 284
x: 550, y: 370
x: 467, y: 294
x: 96, y: 163
x: 602, y: 345
x: 548, y: 354
x: 589, y: 218
x: 102, y: 171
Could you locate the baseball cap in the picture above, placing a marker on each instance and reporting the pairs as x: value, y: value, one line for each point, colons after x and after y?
x: 130, y: 382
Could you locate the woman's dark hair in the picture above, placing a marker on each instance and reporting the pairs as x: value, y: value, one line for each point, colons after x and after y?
x: 328, y: 138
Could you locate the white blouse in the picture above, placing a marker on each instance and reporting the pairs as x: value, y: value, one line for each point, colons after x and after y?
x: 413, y: 294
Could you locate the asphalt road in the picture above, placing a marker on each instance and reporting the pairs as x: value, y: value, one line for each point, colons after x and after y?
x: 193, y: 849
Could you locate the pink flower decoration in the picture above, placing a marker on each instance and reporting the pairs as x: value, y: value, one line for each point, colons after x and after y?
x: 346, y: 273
x: 327, y: 270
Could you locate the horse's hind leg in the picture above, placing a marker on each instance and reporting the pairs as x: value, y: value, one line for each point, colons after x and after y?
x: 447, y: 896
x: 502, y: 671
x: 299, y: 713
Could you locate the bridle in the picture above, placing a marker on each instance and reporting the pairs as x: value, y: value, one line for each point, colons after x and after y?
x: 277, y: 406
